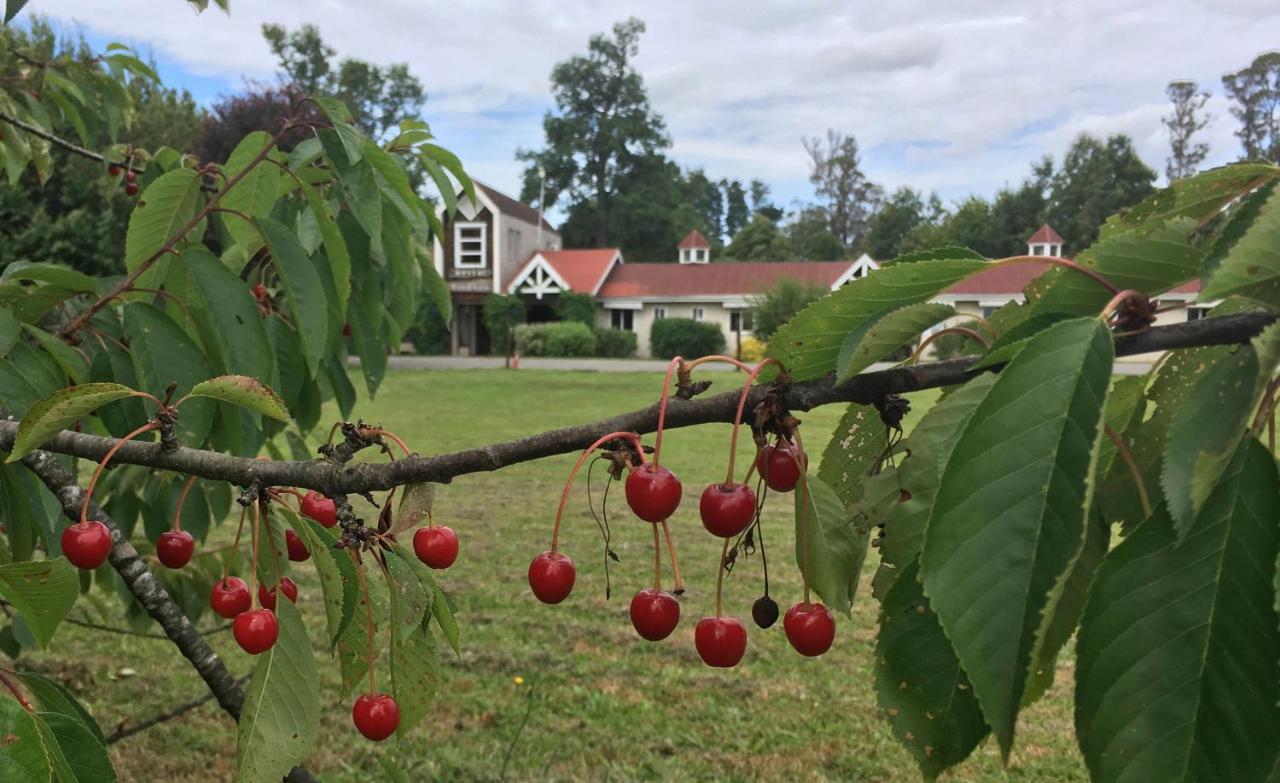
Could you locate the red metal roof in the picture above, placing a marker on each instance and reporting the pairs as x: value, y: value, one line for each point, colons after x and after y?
x: 1008, y: 278
x: 583, y: 270
x: 724, y: 279
x: 1191, y: 287
x: 1045, y: 236
x: 693, y: 240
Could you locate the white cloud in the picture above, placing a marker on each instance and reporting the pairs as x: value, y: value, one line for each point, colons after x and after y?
x: 961, y: 96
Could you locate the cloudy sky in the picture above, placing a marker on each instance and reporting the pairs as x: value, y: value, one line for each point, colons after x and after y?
x: 954, y: 95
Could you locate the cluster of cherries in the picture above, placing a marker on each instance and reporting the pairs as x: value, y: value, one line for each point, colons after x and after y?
x: 87, y: 544
x: 130, y: 176
x: 728, y: 510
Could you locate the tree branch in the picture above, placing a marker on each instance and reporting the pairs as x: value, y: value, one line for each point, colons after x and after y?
x: 149, y: 592
x: 336, y: 479
x: 124, y: 731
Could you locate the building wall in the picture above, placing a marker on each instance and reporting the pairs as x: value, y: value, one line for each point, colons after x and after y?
x: 642, y: 320
x: 519, y: 240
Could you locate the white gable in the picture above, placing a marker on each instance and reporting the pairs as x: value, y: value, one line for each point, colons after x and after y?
x: 859, y: 269
x: 538, y: 278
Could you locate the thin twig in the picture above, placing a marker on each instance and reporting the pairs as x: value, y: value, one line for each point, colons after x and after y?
x: 124, y: 732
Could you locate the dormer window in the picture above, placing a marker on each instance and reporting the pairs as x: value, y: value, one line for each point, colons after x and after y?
x: 470, y: 245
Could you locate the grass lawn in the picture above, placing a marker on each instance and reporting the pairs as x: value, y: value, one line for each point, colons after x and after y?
x: 602, y: 704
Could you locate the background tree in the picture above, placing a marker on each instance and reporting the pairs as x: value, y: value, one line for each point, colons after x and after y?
x: 779, y: 305
x: 602, y: 125
x: 1017, y: 212
x: 1096, y: 179
x: 502, y: 313
x: 759, y: 240
x: 1255, y: 93
x: 809, y: 235
x: 1186, y: 119
x: 760, y: 201
x: 379, y: 97
x: 892, y: 224
x: 258, y: 108
x: 843, y: 190
x: 736, y: 211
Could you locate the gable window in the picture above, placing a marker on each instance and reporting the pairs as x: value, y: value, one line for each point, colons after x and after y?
x: 621, y: 319
x: 659, y: 313
x: 470, y: 248
x: 698, y: 314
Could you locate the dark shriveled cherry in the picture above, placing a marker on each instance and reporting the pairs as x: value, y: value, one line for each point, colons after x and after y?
x: 765, y: 611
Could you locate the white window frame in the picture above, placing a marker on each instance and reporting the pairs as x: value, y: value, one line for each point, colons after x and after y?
x: 699, y: 314
x: 457, y: 245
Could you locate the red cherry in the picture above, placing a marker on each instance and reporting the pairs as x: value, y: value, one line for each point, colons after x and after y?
x: 130, y: 176
x: 346, y: 330
x: 259, y: 291
x: 297, y: 550
x: 551, y: 576
x: 811, y: 628
x: 780, y: 466
x: 727, y: 509
x: 87, y: 545
x: 653, y: 492
x: 721, y: 641
x: 131, y: 189
x: 437, y: 546
x: 256, y: 631
x: 376, y: 716
x: 114, y: 169
x: 655, y: 614
x: 175, y: 548
x: 320, y: 508
x: 267, y: 597
x: 230, y: 597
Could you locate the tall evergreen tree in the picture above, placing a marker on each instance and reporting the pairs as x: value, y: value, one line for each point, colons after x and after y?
x: 1097, y: 179
x: 736, y: 211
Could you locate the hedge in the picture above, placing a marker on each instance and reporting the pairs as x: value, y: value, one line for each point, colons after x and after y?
x: 615, y: 343
x: 671, y: 337
x: 555, y: 339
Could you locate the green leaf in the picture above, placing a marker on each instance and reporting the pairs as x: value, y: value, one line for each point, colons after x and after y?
x: 415, y: 657
x: 930, y: 447
x: 828, y: 547
x: 83, y: 754
x: 441, y: 608
x: 54, y: 414
x: 353, y: 645
x: 72, y: 362
x: 877, y: 338
x: 350, y: 138
x: 1126, y: 406
x: 12, y: 7
x: 437, y: 290
x: 308, y: 305
x: 168, y: 204
x: 852, y: 452
x: 231, y: 323
x: 415, y: 506
x: 255, y: 194
x: 1252, y: 266
x: 164, y: 354
x: 1176, y: 662
x: 338, y: 580
x: 52, y: 696
x: 335, y: 247
x: 10, y: 328
x: 23, y: 758
x: 919, y: 683
x: 810, y: 343
x: 1196, y: 197
x: 43, y: 591
x: 244, y: 391
x: 56, y: 274
x: 451, y: 162
x: 1148, y: 261
x: 1199, y: 446
x: 280, y: 717
x: 1008, y: 522
x: 358, y: 183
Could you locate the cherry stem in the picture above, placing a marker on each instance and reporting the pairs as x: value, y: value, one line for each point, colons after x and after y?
x: 235, y: 546
x: 1120, y: 298
x: 393, y: 436
x: 803, y: 458
x: 1122, y: 449
x: 182, y: 498
x: 253, y: 571
x: 688, y: 367
x: 332, y: 431
x: 97, y: 473
x: 657, y: 560
x: 275, y: 553
x: 972, y: 334
x: 142, y: 394
x: 1062, y: 262
x: 671, y: 550
x: 568, y: 485
x: 724, y: 555
x: 17, y: 694
x: 1267, y: 409
x: 368, y: 611
x: 737, y: 417
x: 662, y: 409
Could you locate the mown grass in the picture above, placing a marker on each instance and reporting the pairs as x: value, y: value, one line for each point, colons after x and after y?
x: 601, y: 703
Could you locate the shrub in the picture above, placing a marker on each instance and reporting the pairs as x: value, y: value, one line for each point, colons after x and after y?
x: 429, y: 333
x: 615, y: 343
x: 571, y: 306
x: 556, y: 339
x: 752, y: 349
x: 501, y: 315
x: 780, y: 303
x: 671, y: 337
